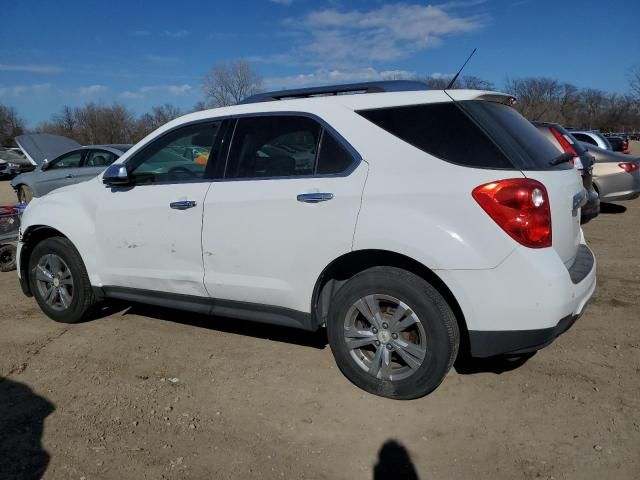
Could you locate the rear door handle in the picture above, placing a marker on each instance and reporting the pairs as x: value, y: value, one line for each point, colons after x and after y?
x: 69, y: 176
x: 314, y: 197
x: 183, y: 204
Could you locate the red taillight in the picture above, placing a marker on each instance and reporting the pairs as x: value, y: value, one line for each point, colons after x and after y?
x: 520, y: 206
x: 564, y: 142
x: 628, y: 166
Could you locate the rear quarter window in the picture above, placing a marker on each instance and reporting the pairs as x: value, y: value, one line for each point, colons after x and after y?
x: 442, y: 130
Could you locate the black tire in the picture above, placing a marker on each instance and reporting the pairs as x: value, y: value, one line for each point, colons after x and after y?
x: 435, y: 315
x: 7, y: 258
x: 82, y: 299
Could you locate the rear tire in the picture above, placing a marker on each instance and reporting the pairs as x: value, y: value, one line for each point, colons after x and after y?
x: 59, y: 281
x: 412, y: 347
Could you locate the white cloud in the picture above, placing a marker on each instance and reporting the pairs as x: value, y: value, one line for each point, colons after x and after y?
x: 324, y: 77
x: 385, y: 33
x: 30, y: 68
x: 92, y: 90
x: 18, y: 90
x: 282, y: 2
x: 177, y: 33
x: 175, y: 90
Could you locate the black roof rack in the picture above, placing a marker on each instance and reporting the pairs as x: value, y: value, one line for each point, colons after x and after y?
x: 366, y: 87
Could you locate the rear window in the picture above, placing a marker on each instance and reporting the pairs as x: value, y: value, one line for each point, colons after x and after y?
x: 519, y: 139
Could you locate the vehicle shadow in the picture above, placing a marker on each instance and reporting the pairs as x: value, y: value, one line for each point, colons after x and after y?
x: 231, y: 325
x: 466, y: 365
x: 612, y: 208
x: 22, y: 415
x: 394, y: 463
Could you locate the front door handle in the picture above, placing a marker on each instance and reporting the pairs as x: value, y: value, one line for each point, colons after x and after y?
x: 314, y: 197
x: 183, y: 204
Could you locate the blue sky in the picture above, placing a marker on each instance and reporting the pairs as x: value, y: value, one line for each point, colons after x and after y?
x: 142, y: 54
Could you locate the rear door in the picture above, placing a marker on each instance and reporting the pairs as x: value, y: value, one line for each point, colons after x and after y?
x: 285, y: 208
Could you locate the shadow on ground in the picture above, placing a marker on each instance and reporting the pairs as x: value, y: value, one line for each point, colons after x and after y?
x: 612, y: 208
x: 394, y: 463
x: 231, y: 325
x: 497, y: 365
x: 22, y: 415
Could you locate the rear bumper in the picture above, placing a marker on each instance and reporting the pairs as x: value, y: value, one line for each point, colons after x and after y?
x: 618, y: 186
x: 524, y: 303
x: 491, y: 343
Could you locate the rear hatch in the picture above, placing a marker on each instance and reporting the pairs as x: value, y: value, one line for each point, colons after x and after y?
x: 529, y: 151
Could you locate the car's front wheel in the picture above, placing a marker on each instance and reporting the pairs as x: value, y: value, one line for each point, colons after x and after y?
x: 392, y: 333
x: 59, y: 281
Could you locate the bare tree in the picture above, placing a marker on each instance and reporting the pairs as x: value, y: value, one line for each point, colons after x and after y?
x: 634, y: 80
x: 11, y: 125
x: 468, y: 81
x: 229, y: 83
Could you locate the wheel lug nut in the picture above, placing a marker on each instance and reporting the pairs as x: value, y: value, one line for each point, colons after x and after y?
x: 374, y: 330
x: 394, y: 335
x: 385, y: 326
x: 389, y: 346
x: 378, y: 342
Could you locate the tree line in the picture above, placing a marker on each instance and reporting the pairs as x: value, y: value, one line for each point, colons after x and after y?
x: 538, y: 98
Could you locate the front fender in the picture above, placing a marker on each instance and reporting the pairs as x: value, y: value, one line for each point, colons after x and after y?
x: 70, y: 211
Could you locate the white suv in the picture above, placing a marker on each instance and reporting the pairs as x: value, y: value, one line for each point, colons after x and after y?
x: 408, y: 223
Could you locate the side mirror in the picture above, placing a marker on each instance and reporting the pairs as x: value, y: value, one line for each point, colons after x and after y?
x: 116, y: 175
x: 45, y: 164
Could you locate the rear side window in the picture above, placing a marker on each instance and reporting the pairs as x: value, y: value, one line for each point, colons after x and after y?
x: 442, y: 130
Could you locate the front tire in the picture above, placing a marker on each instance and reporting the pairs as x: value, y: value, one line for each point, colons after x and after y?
x: 59, y: 281
x: 392, y: 333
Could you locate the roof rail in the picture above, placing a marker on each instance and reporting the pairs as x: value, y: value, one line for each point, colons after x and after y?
x: 366, y: 87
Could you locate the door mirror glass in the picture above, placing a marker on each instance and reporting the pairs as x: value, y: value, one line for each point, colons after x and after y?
x: 116, y: 175
x: 45, y: 164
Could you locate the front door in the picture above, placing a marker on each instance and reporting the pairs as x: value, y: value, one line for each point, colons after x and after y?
x: 150, y: 232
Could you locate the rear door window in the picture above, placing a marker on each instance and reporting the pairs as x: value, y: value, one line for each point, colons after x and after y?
x: 273, y: 146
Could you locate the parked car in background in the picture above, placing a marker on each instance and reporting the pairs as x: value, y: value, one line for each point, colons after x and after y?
x: 400, y: 220
x: 13, y: 162
x: 57, y: 170
x: 583, y: 161
x: 615, y: 176
x: 592, y: 138
x: 619, y: 143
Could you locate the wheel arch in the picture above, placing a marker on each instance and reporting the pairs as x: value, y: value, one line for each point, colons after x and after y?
x: 30, y: 238
x: 339, y: 271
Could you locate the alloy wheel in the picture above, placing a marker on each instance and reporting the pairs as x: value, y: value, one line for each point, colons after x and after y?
x: 385, y: 337
x: 54, y: 282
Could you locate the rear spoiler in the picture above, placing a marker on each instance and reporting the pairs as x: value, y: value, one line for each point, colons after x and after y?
x: 497, y: 97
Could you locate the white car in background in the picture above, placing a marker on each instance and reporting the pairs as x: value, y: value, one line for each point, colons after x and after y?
x: 390, y: 218
x: 592, y: 138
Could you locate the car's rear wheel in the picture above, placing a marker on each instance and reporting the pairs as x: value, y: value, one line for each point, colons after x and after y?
x: 25, y: 194
x: 59, y: 281
x: 7, y: 258
x: 392, y: 334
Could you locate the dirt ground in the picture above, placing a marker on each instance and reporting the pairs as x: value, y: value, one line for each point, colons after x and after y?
x: 147, y: 393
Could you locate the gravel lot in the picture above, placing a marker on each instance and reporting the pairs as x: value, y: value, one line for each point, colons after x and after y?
x: 148, y: 393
